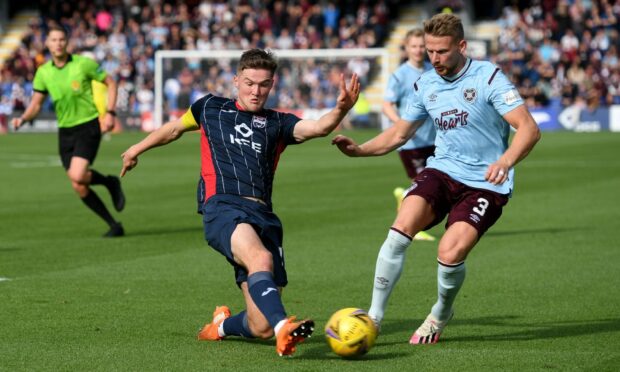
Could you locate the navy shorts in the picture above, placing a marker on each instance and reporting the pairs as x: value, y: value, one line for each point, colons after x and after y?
x: 82, y: 141
x: 478, y: 207
x: 415, y: 160
x: 221, y: 215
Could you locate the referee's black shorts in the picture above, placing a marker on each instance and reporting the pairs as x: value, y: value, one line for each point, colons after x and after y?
x: 81, y: 140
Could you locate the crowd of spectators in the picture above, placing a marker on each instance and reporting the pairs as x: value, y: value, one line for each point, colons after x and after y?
x: 123, y: 36
x: 554, y: 50
x: 562, y: 50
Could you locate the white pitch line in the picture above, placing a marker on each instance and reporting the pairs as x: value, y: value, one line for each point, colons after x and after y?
x: 31, y: 160
x: 23, y: 156
x: 3, y: 279
x: 36, y: 164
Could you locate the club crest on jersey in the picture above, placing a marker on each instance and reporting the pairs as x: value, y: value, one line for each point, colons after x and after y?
x: 470, y: 95
x: 259, y: 122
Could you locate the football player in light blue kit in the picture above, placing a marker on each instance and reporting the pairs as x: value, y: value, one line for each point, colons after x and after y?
x: 470, y: 178
x: 414, y: 153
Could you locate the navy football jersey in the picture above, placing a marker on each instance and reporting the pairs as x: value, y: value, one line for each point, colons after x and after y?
x: 239, y: 149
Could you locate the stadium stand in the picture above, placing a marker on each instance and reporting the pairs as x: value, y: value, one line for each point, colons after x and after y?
x: 124, y: 39
x: 555, y: 51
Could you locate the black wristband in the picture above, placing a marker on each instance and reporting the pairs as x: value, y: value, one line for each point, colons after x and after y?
x: 111, y: 112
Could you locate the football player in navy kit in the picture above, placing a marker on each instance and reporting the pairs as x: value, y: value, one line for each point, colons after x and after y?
x: 241, y: 143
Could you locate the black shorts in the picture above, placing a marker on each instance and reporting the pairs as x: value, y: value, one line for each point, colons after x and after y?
x: 220, y: 216
x: 478, y: 207
x: 82, y: 141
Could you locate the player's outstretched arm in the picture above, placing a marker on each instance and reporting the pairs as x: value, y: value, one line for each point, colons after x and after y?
x: 307, y: 129
x: 31, y: 111
x: 388, y: 140
x: 526, y: 136
x: 168, y: 132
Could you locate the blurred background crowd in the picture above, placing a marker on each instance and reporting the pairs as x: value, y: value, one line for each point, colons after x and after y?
x: 124, y: 37
x: 562, y: 50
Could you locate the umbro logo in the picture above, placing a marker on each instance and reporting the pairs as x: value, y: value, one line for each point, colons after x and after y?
x: 382, y: 280
x: 266, y: 292
x: 474, y: 218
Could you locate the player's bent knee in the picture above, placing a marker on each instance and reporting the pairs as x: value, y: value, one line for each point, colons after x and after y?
x: 80, y: 189
x: 452, y: 256
x: 77, y: 177
x: 261, y: 330
x: 262, y: 261
x: 450, y: 260
x: 265, y: 335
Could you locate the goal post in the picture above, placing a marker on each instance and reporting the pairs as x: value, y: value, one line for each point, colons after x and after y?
x: 307, y: 71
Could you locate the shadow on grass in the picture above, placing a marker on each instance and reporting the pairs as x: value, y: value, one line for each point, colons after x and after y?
x: 398, y: 325
x: 540, y: 330
x: 520, y: 330
x: 315, y: 348
x: 535, y: 231
x: 164, y: 231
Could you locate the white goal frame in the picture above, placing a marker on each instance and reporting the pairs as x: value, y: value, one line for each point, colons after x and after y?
x: 160, y: 55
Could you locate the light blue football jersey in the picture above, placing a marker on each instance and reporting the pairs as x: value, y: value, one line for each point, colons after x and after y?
x: 400, y: 85
x: 467, y: 111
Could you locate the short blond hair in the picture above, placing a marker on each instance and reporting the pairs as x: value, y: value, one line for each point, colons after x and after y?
x: 445, y: 24
x: 414, y: 32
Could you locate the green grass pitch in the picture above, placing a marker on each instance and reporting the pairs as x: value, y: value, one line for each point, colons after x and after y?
x: 542, y: 289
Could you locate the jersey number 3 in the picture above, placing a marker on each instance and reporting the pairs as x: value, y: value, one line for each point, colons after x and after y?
x: 483, y: 204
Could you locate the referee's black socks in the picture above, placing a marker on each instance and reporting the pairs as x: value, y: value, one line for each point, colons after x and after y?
x: 98, y: 178
x: 93, y: 202
x: 113, y: 184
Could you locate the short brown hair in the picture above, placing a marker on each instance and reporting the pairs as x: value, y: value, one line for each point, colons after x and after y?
x: 445, y: 24
x: 57, y: 28
x: 258, y: 59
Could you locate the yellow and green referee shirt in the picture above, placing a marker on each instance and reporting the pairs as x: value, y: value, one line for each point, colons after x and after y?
x: 70, y: 88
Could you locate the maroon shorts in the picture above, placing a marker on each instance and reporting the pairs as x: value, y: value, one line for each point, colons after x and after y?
x: 478, y: 207
x: 415, y: 160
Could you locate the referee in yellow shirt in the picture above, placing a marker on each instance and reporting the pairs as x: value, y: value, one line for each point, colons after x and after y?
x: 67, y: 79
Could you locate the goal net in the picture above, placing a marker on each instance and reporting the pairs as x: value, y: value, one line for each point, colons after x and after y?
x: 306, y: 81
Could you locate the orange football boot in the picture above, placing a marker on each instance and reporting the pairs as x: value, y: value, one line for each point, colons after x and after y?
x: 209, y: 331
x: 291, y: 334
